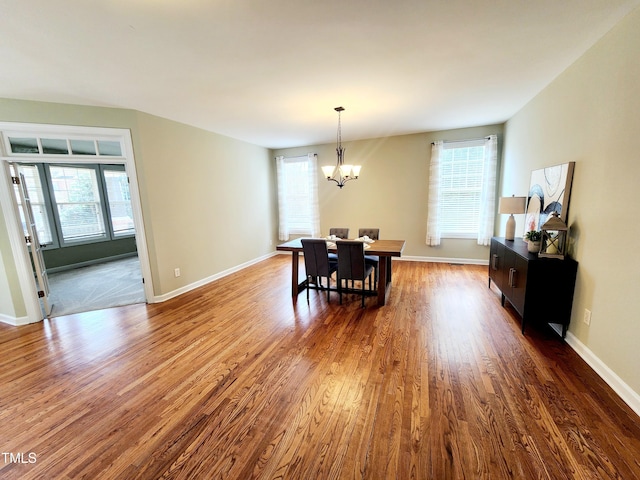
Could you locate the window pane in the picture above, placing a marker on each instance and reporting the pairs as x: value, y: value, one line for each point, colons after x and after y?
x: 83, y: 147
x: 298, y: 196
x: 119, y: 202
x: 110, y: 149
x: 461, y: 188
x: 36, y: 195
x: 24, y: 145
x: 54, y: 146
x: 78, y: 201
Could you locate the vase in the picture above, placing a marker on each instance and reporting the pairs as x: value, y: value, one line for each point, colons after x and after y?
x: 533, y: 246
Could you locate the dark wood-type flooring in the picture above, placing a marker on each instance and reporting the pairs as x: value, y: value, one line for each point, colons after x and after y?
x: 236, y: 381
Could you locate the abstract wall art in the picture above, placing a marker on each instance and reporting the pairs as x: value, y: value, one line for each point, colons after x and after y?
x: 549, y: 191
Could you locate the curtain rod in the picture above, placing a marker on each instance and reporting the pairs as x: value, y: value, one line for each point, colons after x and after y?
x: 465, y: 140
x: 296, y: 156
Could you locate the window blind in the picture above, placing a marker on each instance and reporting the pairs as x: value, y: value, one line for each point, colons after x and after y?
x: 461, y: 175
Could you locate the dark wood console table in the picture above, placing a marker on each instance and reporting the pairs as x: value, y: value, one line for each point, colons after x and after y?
x: 540, y: 289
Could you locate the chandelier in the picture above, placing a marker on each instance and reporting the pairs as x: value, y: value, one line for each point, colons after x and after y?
x: 341, y: 173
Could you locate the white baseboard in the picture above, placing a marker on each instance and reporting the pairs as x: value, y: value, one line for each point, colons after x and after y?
x: 460, y: 261
x: 624, y: 391
x: 204, y: 281
x: 454, y: 260
x: 14, y: 321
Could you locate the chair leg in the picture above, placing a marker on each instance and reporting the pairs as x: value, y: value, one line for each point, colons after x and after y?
x: 308, y: 288
x: 363, y: 280
x: 328, y: 287
x: 340, y: 290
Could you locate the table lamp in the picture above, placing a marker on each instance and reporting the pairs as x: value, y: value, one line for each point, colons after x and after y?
x: 511, y: 205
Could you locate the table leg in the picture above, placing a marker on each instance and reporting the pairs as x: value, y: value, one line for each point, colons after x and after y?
x: 296, y: 287
x: 294, y: 274
x: 384, y: 279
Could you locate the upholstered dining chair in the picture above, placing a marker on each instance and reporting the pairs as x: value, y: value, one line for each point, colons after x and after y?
x: 372, y: 233
x: 373, y: 260
x: 342, y: 233
x: 351, y: 265
x: 317, y: 263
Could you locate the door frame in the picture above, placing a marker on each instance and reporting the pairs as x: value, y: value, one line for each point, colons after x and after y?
x: 12, y: 217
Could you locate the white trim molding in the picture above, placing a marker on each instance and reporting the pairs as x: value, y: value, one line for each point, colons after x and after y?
x: 14, y: 321
x: 212, y: 278
x: 459, y: 261
x: 409, y: 258
x: 624, y: 391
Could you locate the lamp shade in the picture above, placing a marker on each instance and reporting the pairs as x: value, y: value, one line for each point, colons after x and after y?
x: 512, y: 204
x: 328, y: 170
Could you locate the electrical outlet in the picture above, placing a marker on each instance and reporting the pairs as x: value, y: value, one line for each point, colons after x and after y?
x: 176, y: 272
x: 587, y: 316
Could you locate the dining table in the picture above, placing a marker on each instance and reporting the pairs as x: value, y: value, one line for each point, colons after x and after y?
x: 384, y: 249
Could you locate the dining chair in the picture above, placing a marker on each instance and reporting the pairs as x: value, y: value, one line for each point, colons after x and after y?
x: 342, y: 233
x: 374, y: 260
x: 372, y: 233
x: 351, y: 265
x: 317, y: 263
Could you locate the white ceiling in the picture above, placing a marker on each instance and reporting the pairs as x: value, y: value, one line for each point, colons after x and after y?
x: 271, y: 72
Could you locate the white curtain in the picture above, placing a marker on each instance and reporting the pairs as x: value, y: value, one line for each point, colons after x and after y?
x: 488, y: 195
x: 298, y: 207
x: 433, y: 228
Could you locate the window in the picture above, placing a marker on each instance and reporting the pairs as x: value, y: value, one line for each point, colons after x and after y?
x: 63, y: 146
x: 119, y: 201
x: 78, y: 204
x: 298, y: 196
x: 72, y: 204
x: 462, y: 190
x: 37, y: 196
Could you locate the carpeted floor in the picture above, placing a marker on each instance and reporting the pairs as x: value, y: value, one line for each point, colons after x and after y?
x: 95, y: 287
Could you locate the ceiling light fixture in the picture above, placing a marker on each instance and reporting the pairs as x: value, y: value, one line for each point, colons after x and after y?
x: 341, y: 173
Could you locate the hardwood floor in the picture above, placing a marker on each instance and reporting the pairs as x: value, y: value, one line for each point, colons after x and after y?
x: 236, y: 381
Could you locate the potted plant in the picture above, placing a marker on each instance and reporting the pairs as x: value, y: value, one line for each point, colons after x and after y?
x: 533, y: 237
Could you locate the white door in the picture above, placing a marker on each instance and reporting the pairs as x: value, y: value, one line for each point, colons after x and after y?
x: 32, y: 240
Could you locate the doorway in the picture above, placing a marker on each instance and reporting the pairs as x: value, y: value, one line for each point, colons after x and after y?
x: 90, y: 236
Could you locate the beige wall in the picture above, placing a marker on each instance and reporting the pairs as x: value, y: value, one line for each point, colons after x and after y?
x: 591, y: 115
x: 392, y: 190
x: 208, y: 201
x: 9, y: 297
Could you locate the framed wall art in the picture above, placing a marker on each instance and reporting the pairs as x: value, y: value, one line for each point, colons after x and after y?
x: 549, y: 191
